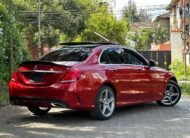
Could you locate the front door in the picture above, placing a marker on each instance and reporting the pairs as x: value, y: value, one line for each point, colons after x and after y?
x: 146, y: 83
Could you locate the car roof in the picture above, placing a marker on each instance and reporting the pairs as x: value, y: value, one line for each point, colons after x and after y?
x: 86, y: 44
x: 92, y: 45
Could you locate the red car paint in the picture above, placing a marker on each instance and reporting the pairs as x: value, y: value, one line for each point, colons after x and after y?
x: 77, y: 83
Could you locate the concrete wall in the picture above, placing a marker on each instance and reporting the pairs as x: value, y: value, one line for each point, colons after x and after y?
x: 176, y: 46
x: 164, y: 23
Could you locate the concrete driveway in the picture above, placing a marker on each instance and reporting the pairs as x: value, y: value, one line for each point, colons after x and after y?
x: 140, y: 121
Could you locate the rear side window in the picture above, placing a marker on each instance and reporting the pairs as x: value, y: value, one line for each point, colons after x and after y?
x: 112, y: 56
x: 68, y: 54
x: 104, y: 58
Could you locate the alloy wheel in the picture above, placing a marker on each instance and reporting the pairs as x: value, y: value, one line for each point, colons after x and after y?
x: 107, y: 103
x: 172, y: 95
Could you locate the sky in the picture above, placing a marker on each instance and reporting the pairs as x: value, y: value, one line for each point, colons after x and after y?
x: 140, y: 3
x: 156, y: 7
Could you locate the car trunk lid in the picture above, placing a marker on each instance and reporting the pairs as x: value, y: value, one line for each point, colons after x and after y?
x: 42, y: 73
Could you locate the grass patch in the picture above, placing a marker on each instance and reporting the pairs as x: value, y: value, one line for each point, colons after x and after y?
x: 185, y: 88
x: 4, y: 96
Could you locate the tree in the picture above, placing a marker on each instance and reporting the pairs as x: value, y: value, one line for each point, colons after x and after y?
x: 58, y: 18
x: 67, y: 16
x: 9, y: 27
x: 133, y: 15
x: 144, y: 38
x: 106, y: 25
x: 130, y: 12
x: 161, y: 35
x: 144, y: 16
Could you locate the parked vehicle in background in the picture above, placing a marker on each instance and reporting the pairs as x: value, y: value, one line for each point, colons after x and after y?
x: 97, y: 77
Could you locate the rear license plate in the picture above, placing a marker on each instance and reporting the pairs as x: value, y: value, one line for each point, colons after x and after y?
x: 36, y: 77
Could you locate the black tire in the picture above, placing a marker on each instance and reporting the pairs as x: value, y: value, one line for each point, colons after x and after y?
x: 40, y: 111
x: 177, y: 91
x: 96, y: 113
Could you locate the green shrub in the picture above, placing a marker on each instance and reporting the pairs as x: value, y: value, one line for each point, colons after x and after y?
x: 186, y: 88
x: 9, y: 27
x: 4, y: 96
x: 177, y: 67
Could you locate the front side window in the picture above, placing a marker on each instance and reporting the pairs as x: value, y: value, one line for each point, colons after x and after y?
x: 131, y: 58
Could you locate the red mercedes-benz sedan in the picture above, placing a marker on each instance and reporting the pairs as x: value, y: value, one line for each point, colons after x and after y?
x: 97, y: 77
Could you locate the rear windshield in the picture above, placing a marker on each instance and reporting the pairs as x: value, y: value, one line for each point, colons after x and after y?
x: 68, y: 54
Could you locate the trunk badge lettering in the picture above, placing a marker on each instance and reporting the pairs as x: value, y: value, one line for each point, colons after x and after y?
x: 35, y: 67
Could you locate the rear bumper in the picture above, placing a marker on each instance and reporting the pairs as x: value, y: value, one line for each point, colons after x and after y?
x: 27, y: 101
x: 69, y: 95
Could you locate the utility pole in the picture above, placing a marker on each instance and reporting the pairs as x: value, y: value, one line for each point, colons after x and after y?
x: 39, y: 28
x: 184, y: 41
x: 10, y: 41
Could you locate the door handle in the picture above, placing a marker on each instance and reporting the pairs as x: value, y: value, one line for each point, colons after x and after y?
x: 112, y: 70
x: 139, y: 69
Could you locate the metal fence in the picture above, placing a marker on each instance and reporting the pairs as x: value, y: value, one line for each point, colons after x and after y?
x: 162, y: 58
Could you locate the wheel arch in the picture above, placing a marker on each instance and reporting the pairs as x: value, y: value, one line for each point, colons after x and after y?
x: 173, y: 79
x: 111, y: 86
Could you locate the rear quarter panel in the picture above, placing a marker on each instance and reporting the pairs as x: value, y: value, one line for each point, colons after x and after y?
x: 93, y: 77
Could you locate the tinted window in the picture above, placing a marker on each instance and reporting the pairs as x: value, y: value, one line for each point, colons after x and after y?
x: 104, y: 58
x: 115, y: 56
x: 132, y: 58
x: 68, y: 54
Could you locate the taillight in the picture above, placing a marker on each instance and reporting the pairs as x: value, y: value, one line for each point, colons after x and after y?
x: 14, y: 77
x: 23, y: 68
x: 71, y: 76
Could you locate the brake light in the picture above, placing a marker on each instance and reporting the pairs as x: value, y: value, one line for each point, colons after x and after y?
x: 14, y: 77
x: 71, y: 76
x: 23, y: 68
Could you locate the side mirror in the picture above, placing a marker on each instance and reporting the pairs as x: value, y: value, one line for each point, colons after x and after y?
x: 152, y: 63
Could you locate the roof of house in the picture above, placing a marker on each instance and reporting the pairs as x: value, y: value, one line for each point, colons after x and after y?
x: 162, y: 16
x: 161, y: 47
x: 141, y: 25
x: 174, y: 1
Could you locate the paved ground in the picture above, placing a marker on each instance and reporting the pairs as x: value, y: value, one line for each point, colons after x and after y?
x: 141, y: 121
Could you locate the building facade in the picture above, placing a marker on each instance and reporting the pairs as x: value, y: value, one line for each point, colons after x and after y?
x: 163, y: 21
x: 180, y: 23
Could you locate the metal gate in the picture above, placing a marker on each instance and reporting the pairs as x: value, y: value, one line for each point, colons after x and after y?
x: 162, y: 58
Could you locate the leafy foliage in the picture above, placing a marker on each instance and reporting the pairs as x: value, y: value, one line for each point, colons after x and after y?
x: 133, y: 15
x: 106, y: 25
x: 58, y: 18
x: 161, y: 35
x: 186, y: 88
x: 9, y: 27
x: 130, y: 12
x: 144, y: 38
x: 177, y: 67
